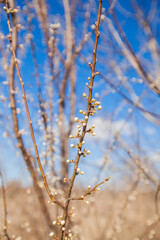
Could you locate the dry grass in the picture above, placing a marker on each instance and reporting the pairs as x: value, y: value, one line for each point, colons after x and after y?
x: 95, y: 221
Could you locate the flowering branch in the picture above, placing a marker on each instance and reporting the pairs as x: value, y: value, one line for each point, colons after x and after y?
x: 90, y: 190
x: 87, y: 114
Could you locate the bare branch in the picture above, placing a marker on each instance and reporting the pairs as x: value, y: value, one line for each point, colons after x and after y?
x: 50, y: 194
x: 5, y: 225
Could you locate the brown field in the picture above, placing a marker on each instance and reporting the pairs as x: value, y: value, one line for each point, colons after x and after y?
x: 109, y: 215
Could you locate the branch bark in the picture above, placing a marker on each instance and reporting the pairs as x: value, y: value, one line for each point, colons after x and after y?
x: 89, y: 106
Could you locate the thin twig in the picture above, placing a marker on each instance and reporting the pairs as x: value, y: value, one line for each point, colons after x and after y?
x: 155, y: 116
x: 156, y: 200
x: 26, y: 155
x: 131, y: 54
x: 50, y: 194
x: 40, y: 6
x: 90, y: 190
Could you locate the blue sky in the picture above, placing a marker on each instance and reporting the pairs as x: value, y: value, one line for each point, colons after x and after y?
x: 114, y: 109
